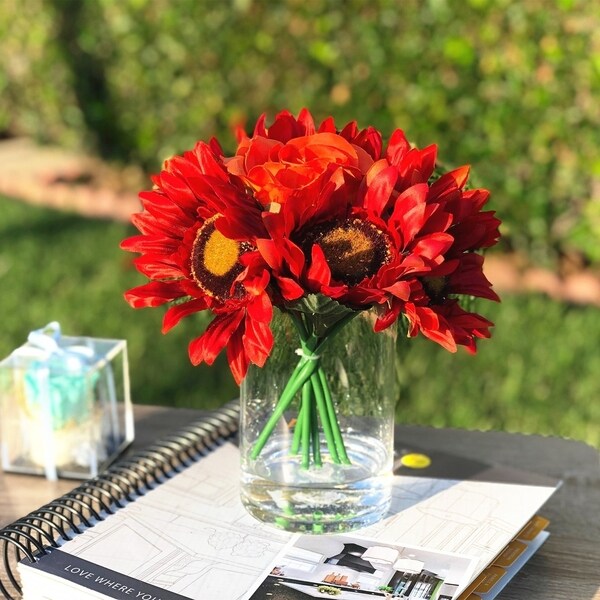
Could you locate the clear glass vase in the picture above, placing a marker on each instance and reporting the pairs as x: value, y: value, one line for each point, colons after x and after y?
x: 298, y: 473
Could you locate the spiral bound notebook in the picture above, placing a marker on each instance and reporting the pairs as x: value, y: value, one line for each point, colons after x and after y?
x: 167, y: 524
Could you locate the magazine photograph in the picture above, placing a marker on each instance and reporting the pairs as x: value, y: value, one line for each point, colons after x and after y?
x: 351, y: 567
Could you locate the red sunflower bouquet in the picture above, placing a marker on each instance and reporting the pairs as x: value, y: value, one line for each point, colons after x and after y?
x: 322, y: 224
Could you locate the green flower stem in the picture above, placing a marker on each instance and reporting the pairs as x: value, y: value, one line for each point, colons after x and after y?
x: 306, y: 425
x: 320, y: 390
x: 297, y: 431
x: 325, y: 418
x: 301, y: 375
x: 318, y: 409
x: 304, y: 432
x: 316, y: 442
x: 332, y: 418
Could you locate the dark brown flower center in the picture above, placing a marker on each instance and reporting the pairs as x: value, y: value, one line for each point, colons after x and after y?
x: 354, y: 249
x: 435, y: 287
x: 215, y: 261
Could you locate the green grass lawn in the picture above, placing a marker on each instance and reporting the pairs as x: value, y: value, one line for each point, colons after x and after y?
x: 540, y: 373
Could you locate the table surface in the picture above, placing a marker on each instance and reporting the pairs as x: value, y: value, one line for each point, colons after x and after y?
x: 567, y: 567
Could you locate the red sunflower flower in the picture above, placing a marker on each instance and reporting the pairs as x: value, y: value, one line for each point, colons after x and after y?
x: 197, y: 245
x: 434, y: 308
x: 436, y: 229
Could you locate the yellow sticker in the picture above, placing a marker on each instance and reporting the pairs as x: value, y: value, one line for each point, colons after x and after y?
x: 415, y: 461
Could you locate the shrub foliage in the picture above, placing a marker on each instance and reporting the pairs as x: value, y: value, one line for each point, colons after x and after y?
x: 507, y: 86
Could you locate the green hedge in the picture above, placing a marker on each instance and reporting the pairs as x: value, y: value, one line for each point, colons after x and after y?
x: 511, y: 87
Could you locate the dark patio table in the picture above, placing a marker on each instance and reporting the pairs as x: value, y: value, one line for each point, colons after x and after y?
x: 567, y: 567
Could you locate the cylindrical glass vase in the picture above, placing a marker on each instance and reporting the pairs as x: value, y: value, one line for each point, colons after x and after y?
x: 298, y: 473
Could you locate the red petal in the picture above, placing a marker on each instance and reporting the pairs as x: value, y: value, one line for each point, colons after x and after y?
x: 469, y: 279
x: 400, y: 289
x: 431, y: 325
x: 433, y: 246
x: 182, y: 167
x: 260, y: 309
x: 215, y: 146
x: 176, y: 189
x: 350, y: 131
x: 275, y: 224
x: 240, y: 133
x: 294, y: 257
x: 259, y: 151
x: 409, y: 212
x: 180, y: 311
x: 159, y: 227
x: 270, y: 252
x: 290, y: 290
x: 319, y: 273
x: 236, y: 356
x: 150, y: 243
x: 156, y: 267
x: 255, y: 284
x: 186, y: 201
x: 258, y: 341
x: 389, y: 317
x: 452, y: 180
x: 207, y: 347
x: 370, y: 140
x: 398, y: 146
x: 380, y: 190
x: 208, y: 163
x: 284, y: 127
x: 479, y: 231
x: 305, y: 119
x: 460, y: 175
x: 428, y: 158
x: 154, y: 293
x: 441, y: 336
x: 259, y: 128
x: 327, y: 126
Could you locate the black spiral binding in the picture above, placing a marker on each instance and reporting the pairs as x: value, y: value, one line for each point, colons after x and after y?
x: 96, y: 498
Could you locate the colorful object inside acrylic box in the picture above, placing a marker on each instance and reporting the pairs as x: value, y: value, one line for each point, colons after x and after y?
x: 65, y: 404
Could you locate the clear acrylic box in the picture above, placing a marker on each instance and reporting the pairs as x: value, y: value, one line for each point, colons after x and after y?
x: 65, y: 412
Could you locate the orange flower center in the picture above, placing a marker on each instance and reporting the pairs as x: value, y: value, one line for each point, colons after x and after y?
x: 215, y: 261
x: 354, y: 249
